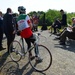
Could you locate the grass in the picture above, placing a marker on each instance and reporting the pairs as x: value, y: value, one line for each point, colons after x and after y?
x: 41, y: 27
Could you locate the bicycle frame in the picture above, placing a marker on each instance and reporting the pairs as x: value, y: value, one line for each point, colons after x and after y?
x: 23, y: 47
x: 38, y: 50
x: 35, y: 45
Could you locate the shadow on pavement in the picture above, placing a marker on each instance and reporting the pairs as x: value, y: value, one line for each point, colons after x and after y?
x: 70, y: 46
x: 29, y: 70
x: 10, y: 68
x: 3, y: 58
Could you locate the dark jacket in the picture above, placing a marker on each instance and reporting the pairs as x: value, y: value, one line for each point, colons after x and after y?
x: 64, y: 20
x: 1, y: 25
x: 8, y: 23
x: 57, y: 22
x: 73, y: 29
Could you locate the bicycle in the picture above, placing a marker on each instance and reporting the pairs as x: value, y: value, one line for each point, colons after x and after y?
x: 18, y: 51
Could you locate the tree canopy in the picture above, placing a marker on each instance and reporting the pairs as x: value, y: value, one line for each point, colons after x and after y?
x: 51, y: 15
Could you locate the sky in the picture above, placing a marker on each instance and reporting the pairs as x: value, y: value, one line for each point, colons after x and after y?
x: 38, y: 5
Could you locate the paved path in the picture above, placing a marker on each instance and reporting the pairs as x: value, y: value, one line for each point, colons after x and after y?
x: 63, y: 59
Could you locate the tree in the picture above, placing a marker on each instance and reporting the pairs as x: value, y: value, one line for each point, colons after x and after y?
x: 51, y: 15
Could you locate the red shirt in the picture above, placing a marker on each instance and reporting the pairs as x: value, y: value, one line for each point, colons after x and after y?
x: 26, y: 33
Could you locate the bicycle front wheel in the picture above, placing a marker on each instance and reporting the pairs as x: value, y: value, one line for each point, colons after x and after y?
x: 46, y: 57
x: 15, y: 50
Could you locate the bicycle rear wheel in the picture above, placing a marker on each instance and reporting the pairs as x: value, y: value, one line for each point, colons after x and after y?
x: 46, y: 56
x: 15, y: 50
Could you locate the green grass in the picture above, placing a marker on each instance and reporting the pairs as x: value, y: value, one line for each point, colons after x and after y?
x: 41, y: 26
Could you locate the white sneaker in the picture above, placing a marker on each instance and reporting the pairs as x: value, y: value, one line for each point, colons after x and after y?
x: 38, y: 59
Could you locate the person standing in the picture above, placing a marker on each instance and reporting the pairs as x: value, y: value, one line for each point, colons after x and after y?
x: 1, y: 31
x: 64, y: 18
x: 8, y: 27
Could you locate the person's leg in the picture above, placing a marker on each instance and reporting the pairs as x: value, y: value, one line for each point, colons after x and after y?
x: 54, y: 29
x: 71, y: 35
x: 37, y: 57
x: 10, y: 39
x: 1, y: 37
x: 28, y: 45
x: 36, y: 27
x: 33, y: 39
x: 63, y: 37
x: 61, y: 31
x: 33, y: 28
x: 53, y: 26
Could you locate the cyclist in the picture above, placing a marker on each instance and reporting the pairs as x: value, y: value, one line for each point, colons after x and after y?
x: 24, y: 26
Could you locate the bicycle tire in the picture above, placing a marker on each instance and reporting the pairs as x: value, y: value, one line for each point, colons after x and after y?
x: 47, y: 59
x: 16, y: 50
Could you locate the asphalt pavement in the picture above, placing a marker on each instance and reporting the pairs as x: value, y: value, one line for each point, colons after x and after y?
x: 63, y: 59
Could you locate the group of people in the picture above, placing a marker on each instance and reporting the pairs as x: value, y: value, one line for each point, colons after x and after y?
x: 34, y: 20
x: 68, y: 31
x: 23, y: 25
x: 57, y: 24
x: 6, y: 26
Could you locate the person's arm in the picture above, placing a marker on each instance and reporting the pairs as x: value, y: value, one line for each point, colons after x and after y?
x: 29, y: 22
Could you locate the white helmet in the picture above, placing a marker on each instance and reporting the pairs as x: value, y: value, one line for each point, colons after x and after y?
x: 21, y: 9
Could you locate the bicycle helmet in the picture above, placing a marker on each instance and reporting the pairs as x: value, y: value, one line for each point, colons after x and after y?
x: 21, y: 9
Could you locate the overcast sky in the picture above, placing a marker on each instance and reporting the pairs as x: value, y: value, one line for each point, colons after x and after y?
x: 38, y: 5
